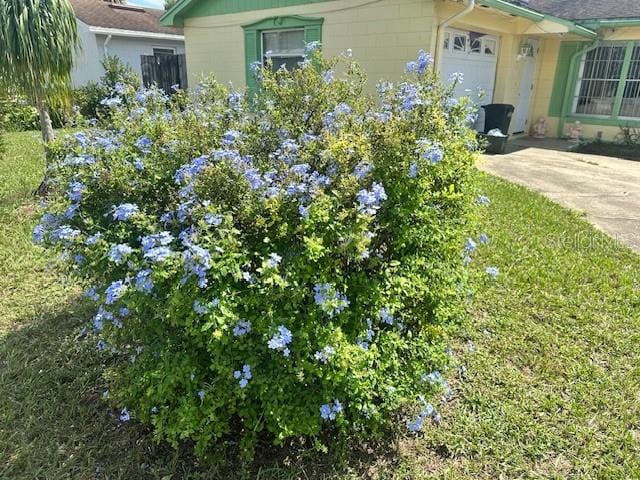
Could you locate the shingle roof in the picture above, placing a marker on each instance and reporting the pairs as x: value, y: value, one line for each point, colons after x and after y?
x: 99, y: 13
x: 585, y: 9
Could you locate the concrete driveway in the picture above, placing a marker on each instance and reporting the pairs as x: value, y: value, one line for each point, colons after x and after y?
x: 606, y: 189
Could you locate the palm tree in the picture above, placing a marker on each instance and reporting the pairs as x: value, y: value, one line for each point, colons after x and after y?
x: 38, y: 39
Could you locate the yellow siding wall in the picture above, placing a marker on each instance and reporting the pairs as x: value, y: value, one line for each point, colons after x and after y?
x: 384, y: 35
x: 543, y: 86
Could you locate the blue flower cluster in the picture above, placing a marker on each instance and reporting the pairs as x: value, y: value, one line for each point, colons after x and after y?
x: 125, y: 211
x: 329, y: 299
x: 325, y: 354
x: 280, y: 340
x: 118, y: 253
x: 386, y: 316
x: 420, y: 65
x: 163, y: 238
x: 243, y: 376
x: 493, y: 272
x: 143, y: 281
x: 432, y: 152
x: 483, y: 200
x: 329, y: 411
x: 417, y: 424
x: 365, y: 341
x: 274, y: 260
x: 241, y: 328
x: 114, y: 291
x: 369, y: 201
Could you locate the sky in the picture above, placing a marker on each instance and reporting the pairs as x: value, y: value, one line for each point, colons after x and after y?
x: 148, y: 3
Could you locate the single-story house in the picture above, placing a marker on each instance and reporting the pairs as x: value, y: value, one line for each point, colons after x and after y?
x: 562, y: 60
x: 126, y: 31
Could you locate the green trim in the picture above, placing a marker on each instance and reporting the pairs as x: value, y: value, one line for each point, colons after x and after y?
x: 289, y: 21
x: 573, y: 27
x: 604, y: 121
x: 514, y: 9
x: 574, y: 67
x: 617, y: 102
x: 610, y: 23
x: 524, y: 12
x: 252, y: 38
x: 196, y: 8
x: 171, y: 18
x: 563, y: 68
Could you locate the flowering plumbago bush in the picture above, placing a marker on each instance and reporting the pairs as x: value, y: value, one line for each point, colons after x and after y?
x: 288, y: 262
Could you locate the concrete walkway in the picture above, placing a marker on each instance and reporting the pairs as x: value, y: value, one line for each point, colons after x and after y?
x: 606, y: 189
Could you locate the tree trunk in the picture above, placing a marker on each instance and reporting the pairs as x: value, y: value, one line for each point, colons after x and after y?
x: 46, y: 129
x: 45, y: 120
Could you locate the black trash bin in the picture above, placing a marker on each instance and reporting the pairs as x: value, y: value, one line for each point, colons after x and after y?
x: 497, y: 115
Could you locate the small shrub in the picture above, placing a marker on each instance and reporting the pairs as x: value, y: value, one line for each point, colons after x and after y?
x: 17, y: 115
x: 288, y: 263
x: 628, y: 136
x: 88, y: 97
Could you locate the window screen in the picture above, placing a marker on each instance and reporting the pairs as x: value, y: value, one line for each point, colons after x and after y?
x: 284, y: 47
x: 630, y: 106
x: 598, y: 84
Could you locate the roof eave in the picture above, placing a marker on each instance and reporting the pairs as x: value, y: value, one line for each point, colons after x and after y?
x: 118, y: 32
x: 529, y: 14
x: 610, y: 23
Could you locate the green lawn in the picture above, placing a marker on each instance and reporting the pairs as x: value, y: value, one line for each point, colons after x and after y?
x: 552, y: 389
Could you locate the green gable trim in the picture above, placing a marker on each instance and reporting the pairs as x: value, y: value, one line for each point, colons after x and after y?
x: 253, y: 38
x: 196, y: 8
x: 610, y: 23
x: 524, y: 12
x: 563, y: 68
x: 514, y: 9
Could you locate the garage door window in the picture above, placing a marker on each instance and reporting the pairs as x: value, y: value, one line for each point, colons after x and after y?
x: 476, y: 43
x: 459, y: 43
x: 490, y: 46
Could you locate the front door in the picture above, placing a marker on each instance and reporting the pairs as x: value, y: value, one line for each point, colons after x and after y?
x: 521, y: 112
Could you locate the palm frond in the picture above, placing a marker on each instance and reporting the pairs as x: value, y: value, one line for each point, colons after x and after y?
x: 38, y: 39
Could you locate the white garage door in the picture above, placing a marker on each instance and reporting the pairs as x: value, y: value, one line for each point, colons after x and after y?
x: 475, y: 55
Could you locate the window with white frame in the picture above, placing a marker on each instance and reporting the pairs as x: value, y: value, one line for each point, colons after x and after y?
x: 609, y: 82
x: 283, y: 47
